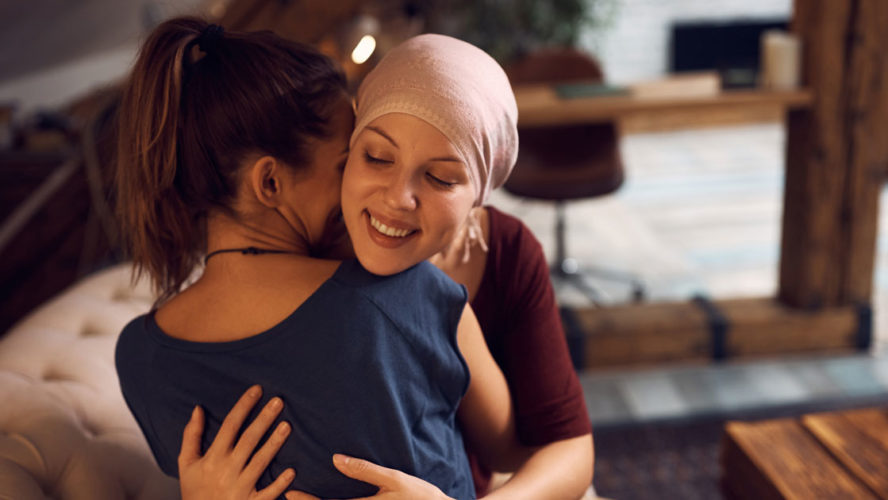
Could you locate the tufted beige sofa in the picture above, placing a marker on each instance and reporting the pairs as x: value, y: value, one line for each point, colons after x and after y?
x: 65, y: 431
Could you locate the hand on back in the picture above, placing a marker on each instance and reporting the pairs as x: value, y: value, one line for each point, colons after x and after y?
x: 227, y: 472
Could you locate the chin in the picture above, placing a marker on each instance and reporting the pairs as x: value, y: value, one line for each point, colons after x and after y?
x: 382, y: 267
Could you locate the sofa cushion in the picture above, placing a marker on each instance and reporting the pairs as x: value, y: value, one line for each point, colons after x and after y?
x: 65, y: 431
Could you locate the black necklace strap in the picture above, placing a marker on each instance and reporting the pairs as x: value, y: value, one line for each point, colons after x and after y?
x: 244, y: 251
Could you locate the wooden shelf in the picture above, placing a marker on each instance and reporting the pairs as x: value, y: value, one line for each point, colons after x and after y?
x: 540, y: 106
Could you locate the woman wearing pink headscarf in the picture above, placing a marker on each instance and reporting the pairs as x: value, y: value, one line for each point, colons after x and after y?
x: 435, y: 115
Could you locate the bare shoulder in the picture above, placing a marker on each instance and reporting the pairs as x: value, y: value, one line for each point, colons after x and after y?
x: 243, y: 300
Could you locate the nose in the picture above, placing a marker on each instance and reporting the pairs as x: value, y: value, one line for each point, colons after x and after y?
x: 400, y: 194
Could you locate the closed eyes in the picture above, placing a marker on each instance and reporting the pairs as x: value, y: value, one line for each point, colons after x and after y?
x: 440, y: 182
x: 437, y: 181
x: 372, y: 159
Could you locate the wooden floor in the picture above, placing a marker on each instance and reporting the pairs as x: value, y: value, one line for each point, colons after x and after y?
x: 700, y: 214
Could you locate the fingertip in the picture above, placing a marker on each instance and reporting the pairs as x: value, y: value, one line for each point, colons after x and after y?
x: 255, y: 391
x: 195, y: 420
x: 298, y: 495
x: 341, y: 460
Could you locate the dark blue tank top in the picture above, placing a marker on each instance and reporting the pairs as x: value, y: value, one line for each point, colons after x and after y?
x: 367, y: 366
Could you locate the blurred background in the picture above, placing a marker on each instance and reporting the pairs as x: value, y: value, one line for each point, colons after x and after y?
x: 678, y: 246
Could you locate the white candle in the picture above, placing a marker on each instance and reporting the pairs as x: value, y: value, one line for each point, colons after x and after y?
x: 781, y: 60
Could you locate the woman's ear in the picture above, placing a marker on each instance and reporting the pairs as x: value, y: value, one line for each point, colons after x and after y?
x: 265, y: 181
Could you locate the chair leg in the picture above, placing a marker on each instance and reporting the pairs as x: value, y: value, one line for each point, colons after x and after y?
x: 568, y: 269
x: 560, y: 251
x: 635, y: 284
x: 565, y: 268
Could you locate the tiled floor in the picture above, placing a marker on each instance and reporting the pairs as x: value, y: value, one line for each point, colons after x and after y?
x: 634, y: 396
x: 700, y: 213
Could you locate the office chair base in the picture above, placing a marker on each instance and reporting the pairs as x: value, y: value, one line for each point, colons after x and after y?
x: 570, y: 272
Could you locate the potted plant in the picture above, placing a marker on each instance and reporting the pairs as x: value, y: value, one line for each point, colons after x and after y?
x: 510, y: 29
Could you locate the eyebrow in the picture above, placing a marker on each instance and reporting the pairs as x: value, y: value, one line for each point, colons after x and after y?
x: 447, y: 158
x: 380, y: 132
x: 395, y: 144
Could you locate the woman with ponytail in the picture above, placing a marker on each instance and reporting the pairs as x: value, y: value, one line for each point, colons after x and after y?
x: 195, y: 108
x: 232, y: 147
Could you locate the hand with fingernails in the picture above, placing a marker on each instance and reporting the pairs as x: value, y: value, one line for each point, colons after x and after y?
x: 227, y: 471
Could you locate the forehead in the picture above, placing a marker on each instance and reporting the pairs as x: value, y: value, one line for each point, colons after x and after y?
x: 408, y: 132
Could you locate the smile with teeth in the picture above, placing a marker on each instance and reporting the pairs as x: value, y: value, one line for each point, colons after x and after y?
x: 388, y: 231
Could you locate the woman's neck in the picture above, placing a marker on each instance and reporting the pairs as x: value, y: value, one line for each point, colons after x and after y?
x: 225, y: 232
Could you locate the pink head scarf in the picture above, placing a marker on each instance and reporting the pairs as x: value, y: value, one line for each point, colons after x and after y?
x: 458, y: 89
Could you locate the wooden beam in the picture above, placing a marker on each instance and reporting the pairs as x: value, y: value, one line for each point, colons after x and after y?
x: 640, y: 334
x: 765, y: 327
x: 306, y: 21
x: 686, y: 331
x: 867, y: 90
x: 835, y: 155
x: 239, y: 13
x: 815, y: 166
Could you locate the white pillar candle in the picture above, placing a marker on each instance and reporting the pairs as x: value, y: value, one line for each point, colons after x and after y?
x: 781, y: 60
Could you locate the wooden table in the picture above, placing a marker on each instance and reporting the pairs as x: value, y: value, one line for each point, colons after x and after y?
x: 824, y: 455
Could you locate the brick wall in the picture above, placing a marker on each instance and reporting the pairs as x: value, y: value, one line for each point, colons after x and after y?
x: 634, y: 44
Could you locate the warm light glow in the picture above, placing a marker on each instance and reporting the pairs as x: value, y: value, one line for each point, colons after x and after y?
x: 217, y: 10
x: 364, y: 49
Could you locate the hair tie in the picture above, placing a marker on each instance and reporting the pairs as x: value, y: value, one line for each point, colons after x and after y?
x: 209, y: 38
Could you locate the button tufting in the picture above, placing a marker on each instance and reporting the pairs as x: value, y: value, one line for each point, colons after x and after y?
x: 63, y: 381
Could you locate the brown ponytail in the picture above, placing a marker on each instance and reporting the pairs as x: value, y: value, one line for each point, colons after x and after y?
x: 187, y: 121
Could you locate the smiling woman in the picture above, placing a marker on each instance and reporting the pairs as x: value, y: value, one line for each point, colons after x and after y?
x: 405, y: 194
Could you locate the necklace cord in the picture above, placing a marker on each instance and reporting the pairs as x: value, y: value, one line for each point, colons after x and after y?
x: 244, y: 251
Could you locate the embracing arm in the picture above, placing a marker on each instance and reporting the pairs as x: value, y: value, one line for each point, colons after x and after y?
x: 557, y: 470
x: 561, y: 469
x: 486, y: 414
x: 231, y: 466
